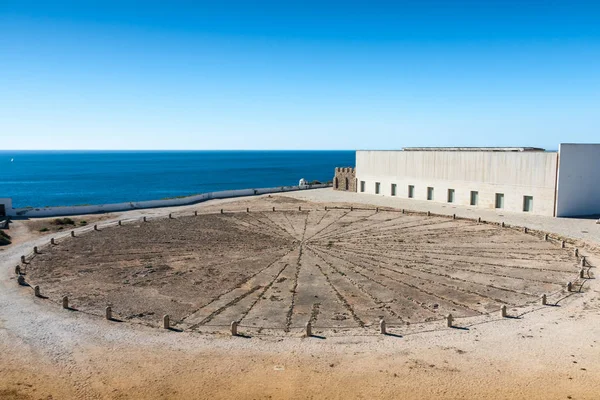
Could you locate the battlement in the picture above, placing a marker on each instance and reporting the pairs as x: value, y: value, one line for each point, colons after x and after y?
x: 345, y: 179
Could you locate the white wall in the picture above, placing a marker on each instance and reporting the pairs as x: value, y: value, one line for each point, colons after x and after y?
x: 578, y: 180
x: 103, y: 208
x: 516, y: 174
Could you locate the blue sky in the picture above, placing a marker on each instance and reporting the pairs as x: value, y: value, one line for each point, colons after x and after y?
x: 298, y: 75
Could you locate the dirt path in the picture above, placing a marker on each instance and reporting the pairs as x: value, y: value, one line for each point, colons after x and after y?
x: 47, y: 352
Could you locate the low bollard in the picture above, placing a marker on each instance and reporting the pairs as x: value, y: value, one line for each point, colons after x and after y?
x: 166, y: 322
x: 120, y: 223
x: 72, y: 233
x: 479, y: 220
x: 22, y: 259
x: 35, y: 250
x: 449, y: 320
x: 109, y: 313
x: 453, y: 216
x: 503, y: 225
x: 308, y: 327
x: 525, y: 230
x: 234, y: 326
x: 377, y: 209
x: 382, y: 327
x: 21, y: 280
x: 36, y: 291
x: 562, y: 244
x: 546, y: 237
x: 195, y: 213
x: 503, y: 311
x: 170, y: 216
x: 221, y: 211
x: 325, y: 208
x: 65, y: 301
x: 52, y: 241
x: 351, y: 208
x: 544, y: 299
x: 582, y: 273
x: 145, y: 220
x: 569, y: 286
x: 403, y: 211
x: 429, y: 213
x: 95, y: 227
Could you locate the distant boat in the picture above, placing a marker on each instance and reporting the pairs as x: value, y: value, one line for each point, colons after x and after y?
x: 12, y: 159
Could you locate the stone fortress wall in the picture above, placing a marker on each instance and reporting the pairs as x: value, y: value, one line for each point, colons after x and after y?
x: 345, y: 179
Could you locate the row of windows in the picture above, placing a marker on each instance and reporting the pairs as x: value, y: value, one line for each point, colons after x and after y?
x: 474, y: 199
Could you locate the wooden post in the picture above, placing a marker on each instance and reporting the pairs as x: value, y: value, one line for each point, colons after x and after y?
x: 562, y: 244
x: 72, y: 233
x: 503, y: 311
x: 583, y: 261
x: 234, y: 326
x: 166, y: 322
x: 403, y: 211
x: 502, y: 225
x: 569, y: 286
x: 145, y: 220
x: 22, y: 259
x: 221, y: 211
x: 308, y: 329
x: 35, y: 250
x: 21, y: 280
x: 479, y: 220
x: 582, y: 273
x: 299, y: 208
x: 453, y: 216
x: 273, y: 209
x: 18, y: 270
x: 109, y: 313
x: 449, y: 320
x: 377, y: 210
x: 170, y: 216
x: 546, y: 237
x: 195, y: 213
x: 36, y: 291
x: 95, y: 227
x: 429, y: 213
x: 351, y: 208
x: 576, y: 252
x: 65, y: 302
x: 325, y: 208
x: 525, y: 229
x: 52, y: 241
x: 544, y: 299
x: 382, y: 327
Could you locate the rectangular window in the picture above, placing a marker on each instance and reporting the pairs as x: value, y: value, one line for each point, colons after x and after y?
x: 527, y: 203
x: 429, y: 193
x: 377, y: 185
x: 499, y: 200
x: 411, y: 191
x: 362, y: 186
x: 474, y: 198
x: 450, y: 195
x: 393, y: 189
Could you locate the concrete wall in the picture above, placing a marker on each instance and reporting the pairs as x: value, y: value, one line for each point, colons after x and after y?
x: 515, y: 174
x: 578, y: 180
x: 104, y: 208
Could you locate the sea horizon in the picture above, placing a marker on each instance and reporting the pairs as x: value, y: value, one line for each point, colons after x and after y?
x: 40, y: 178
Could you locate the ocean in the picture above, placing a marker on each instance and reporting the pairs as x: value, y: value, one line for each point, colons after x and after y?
x: 63, y: 178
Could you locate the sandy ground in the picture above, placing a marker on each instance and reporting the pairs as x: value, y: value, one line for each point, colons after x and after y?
x: 547, y: 353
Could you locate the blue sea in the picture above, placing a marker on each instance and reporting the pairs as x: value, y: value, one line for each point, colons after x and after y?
x: 61, y: 178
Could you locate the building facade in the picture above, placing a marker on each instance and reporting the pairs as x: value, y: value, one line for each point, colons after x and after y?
x: 563, y: 183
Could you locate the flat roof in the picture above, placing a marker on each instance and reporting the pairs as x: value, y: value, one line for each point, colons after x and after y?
x: 516, y: 149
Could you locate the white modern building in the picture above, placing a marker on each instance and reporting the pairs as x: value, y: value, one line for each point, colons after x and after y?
x: 517, y: 179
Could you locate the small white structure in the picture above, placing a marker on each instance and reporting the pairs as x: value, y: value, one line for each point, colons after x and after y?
x: 302, y: 182
x: 518, y: 179
x: 5, y: 207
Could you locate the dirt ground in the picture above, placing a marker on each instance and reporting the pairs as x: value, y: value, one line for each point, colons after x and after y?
x: 273, y: 271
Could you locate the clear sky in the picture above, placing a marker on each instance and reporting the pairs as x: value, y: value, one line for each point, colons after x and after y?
x: 298, y: 74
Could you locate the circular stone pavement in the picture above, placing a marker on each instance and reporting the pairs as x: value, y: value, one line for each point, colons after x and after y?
x: 279, y: 270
